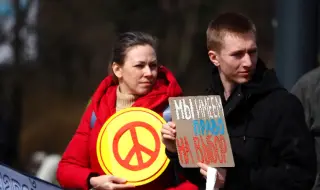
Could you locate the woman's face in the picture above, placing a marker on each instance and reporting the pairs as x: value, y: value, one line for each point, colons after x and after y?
x: 139, y: 71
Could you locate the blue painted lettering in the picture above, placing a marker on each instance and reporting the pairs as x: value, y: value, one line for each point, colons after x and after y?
x: 195, y: 127
x: 208, y: 126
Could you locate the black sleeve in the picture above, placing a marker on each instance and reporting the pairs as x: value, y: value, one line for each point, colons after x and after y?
x: 296, y: 157
x: 191, y: 174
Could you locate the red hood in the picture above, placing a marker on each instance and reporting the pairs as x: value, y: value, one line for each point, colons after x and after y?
x: 104, y: 99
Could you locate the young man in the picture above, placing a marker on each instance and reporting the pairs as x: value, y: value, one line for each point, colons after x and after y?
x: 307, y: 89
x: 272, y: 147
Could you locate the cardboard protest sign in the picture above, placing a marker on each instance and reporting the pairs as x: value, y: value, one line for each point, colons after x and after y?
x: 202, y: 135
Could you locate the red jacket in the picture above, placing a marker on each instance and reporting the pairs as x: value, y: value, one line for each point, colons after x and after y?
x: 80, y: 159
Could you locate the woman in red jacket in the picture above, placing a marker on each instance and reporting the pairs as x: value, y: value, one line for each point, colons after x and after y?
x: 136, y: 81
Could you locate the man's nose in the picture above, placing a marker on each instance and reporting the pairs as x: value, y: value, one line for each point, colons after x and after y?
x: 247, y: 61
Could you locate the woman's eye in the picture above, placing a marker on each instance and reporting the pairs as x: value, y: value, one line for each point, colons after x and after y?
x: 153, y: 65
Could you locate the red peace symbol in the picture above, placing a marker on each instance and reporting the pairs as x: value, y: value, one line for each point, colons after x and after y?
x: 137, y: 148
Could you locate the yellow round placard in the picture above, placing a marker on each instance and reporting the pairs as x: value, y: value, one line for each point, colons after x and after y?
x: 129, y: 146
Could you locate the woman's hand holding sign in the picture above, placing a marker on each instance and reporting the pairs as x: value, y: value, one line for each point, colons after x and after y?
x: 168, y: 133
x: 109, y: 182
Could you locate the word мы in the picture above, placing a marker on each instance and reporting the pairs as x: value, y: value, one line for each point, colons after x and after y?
x: 206, y: 107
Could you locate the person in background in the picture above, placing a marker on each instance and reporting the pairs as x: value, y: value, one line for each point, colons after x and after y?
x: 307, y: 89
x: 136, y: 80
x: 271, y: 145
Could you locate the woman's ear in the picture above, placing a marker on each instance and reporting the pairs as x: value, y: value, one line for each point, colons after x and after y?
x: 213, y: 56
x: 117, y: 70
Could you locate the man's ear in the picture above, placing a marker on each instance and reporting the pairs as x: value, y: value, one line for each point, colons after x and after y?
x: 117, y: 70
x: 213, y: 56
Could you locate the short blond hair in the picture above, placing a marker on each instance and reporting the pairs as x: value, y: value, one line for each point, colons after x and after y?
x: 227, y: 23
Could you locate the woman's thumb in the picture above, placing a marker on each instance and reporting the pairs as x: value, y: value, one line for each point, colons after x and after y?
x: 117, y: 179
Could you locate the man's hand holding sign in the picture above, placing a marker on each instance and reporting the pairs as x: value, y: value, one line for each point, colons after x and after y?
x: 199, y: 135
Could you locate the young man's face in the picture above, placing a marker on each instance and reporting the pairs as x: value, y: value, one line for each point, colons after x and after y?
x: 237, y: 58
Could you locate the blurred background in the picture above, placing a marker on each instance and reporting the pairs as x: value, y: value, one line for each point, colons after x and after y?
x: 54, y: 53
